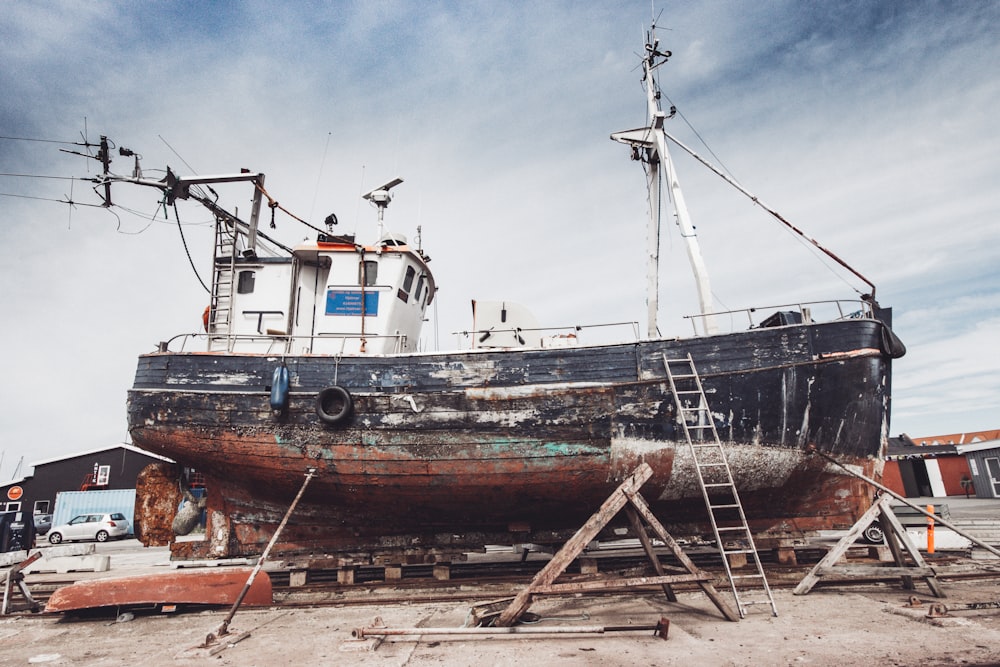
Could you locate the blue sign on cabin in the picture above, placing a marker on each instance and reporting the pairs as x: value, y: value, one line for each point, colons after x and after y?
x: 349, y: 303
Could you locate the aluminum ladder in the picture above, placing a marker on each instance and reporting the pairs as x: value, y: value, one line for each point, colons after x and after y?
x: 224, y: 273
x: 729, y: 522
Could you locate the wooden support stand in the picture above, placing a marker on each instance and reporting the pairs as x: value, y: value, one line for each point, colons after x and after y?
x: 15, y: 583
x: 895, y: 535
x: 625, y: 497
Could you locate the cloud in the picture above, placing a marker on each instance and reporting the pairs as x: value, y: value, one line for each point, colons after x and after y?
x: 867, y: 125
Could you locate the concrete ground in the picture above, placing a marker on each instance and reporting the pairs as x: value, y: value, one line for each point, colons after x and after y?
x: 830, y: 626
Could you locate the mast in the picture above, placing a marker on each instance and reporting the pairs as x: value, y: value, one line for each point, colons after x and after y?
x: 650, y: 145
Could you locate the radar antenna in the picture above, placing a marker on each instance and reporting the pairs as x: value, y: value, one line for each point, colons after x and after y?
x: 380, y: 197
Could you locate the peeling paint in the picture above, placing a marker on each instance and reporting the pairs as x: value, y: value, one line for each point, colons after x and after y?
x: 443, y: 451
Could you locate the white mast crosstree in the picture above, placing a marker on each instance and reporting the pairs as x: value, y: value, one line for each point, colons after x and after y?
x: 652, y: 141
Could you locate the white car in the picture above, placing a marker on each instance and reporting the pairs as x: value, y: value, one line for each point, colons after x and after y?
x: 100, y: 527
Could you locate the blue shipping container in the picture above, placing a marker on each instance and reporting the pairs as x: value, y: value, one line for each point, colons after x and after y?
x: 73, y: 503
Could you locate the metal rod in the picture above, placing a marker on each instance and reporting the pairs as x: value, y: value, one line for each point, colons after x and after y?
x: 903, y: 500
x: 361, y: 633
x: 224, y: 627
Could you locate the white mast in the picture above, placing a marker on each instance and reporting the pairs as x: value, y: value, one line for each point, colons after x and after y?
x: 652, y: 140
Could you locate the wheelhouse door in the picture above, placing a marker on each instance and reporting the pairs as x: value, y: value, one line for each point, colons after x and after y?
x: 993, y: 468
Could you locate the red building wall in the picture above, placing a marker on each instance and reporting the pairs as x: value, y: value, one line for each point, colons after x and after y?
x: 953, y: 468
x: 892, y: 479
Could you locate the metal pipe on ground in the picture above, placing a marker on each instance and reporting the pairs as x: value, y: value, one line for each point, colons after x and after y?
x: 660, y: 629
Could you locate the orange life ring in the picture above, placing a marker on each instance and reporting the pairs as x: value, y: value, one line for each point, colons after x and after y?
x: 204, y: 316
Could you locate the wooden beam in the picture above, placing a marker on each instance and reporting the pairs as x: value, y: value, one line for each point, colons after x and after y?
x: 639, y: 503
x: 626, y: 495
x: 895, y: 536
x: 839, y: 549
x: 647, y: 546
x: 575, y: 545
x: 612, y: 584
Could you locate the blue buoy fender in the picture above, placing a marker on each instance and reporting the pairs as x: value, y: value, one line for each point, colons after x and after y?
x: 279, y: 388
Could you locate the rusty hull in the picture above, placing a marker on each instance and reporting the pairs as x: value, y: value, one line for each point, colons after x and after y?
x: 215, y: 586
x: 449, y: 452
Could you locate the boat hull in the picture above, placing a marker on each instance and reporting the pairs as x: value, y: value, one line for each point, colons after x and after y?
x: 215, y: 586
x: 454, y: 451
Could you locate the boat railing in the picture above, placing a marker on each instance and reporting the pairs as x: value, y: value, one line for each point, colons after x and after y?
x: 553, y: 336
x: 278, y: 343
x: 805, y: 312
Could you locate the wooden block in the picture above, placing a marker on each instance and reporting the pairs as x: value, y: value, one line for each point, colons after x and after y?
x: 737, y: 561
x: 298, y: 578
x: 393, y: 572
x: 442, y: 571
x: 880, y: 552
x: 588, y: 565
x: 345, y: 575
x: 786, y: 556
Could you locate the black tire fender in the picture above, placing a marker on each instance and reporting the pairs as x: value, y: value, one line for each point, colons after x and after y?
x: 334, y: 404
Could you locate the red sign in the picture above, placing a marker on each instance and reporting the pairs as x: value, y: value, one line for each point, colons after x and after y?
x: 15, y: 493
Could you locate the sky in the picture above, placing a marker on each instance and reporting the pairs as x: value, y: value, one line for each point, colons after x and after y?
x: 869, y: 125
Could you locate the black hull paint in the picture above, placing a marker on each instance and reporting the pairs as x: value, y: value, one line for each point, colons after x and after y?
x: 477, y: 441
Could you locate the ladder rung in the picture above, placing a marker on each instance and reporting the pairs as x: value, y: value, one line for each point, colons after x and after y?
x: 718, y: 484
x: 731, y: 528
x: 712, y: 465
x: 740, y: 551
x: 725, y: 507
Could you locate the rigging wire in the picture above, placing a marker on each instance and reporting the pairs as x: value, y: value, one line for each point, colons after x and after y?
x: 186, y: 250
x: 273, y: 204
x: 798, y: 237
x: 319, y: 176
x: 178, y: 157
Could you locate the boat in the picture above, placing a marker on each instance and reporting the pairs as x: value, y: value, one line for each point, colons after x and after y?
x: 217, y: 586
x: 311, y: 358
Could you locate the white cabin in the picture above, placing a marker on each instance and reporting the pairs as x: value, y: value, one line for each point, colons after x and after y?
x: 330, y: 297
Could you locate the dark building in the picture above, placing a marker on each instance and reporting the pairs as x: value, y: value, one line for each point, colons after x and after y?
x: 100, y: 469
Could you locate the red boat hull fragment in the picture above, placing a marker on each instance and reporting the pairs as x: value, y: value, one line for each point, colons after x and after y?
x: 214, y: 586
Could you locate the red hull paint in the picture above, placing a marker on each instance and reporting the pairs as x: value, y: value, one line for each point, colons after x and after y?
x: 215, y: 586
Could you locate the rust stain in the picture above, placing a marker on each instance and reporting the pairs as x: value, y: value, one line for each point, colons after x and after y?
x: 851, y: 354
x: 211, y: 587
x: 157, y: 496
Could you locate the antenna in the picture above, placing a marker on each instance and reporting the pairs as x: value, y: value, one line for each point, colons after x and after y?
x: 380, y: 197
x: 18, y: 468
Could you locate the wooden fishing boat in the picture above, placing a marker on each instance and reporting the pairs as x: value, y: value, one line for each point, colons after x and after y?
x: 311, y: 358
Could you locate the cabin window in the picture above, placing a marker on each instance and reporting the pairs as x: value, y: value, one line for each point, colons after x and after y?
x: 420, y: 287
x: 103, y: 475
x: 41, y: 507
x: 367, y: 273
x: 245, y: 282
x: 408, y: 280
